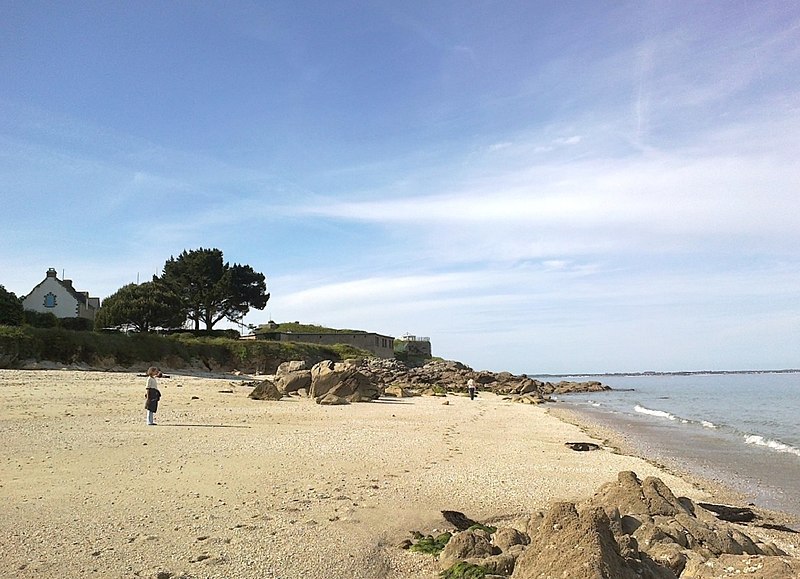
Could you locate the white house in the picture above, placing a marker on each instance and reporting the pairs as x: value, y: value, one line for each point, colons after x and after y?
x: 60, y: 298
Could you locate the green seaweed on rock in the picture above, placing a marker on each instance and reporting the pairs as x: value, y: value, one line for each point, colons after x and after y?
x: 486, y: 528
x: 464, y: 570
x: 431, y: 545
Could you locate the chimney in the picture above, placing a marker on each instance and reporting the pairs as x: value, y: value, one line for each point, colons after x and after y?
x: 68, y: 283
x: 52, y: 272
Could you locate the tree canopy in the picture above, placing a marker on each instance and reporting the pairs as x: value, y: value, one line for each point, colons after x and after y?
x: 144, y: 307
x: 11, y: 310
x: 213, y: 290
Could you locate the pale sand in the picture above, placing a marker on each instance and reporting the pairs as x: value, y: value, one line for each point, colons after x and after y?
x: 228, y: 487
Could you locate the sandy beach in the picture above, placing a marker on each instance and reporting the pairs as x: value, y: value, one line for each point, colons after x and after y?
x: 228, y: 487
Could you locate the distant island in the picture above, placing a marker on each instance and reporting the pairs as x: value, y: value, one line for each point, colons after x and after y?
x: 681, y: 373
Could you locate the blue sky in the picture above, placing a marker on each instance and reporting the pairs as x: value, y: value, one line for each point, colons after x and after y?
x: 537, y: 186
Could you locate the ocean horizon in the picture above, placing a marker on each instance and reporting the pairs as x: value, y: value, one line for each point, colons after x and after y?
x: 736, y: 428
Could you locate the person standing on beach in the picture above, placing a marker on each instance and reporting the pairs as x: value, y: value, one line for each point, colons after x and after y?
x: 152, y: 394
x: 471, y: 388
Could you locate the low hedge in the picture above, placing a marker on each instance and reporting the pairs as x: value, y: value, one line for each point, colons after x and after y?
x: 18, y: 343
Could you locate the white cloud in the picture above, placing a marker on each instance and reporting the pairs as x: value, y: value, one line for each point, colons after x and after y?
x: 559, y: 316
x: 500, y: 146
x: 573, y: 140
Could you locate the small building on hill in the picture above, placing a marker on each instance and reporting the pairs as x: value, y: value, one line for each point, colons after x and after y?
x: 414, y: 345
x: 60, y: 298
x: 380, y: 345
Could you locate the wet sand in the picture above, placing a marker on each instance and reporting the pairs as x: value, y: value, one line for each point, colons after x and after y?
x: 738, y: 474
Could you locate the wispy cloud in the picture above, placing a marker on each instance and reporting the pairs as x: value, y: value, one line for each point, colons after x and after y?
x: 557, y: 311
x: 656, y: 202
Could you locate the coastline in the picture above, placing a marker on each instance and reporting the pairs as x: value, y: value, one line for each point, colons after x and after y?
x: 230, y: 487
x: 619, y: 441
x: 700, y: 449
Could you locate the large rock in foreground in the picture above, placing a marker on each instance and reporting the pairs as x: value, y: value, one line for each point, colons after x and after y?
x: 630, y: 529
x: 573, y: 545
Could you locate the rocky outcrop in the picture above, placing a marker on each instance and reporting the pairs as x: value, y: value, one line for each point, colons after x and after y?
x: 368, y: 379
x: 439, y: 376
x: 581, y: 545
x: 630, y: 529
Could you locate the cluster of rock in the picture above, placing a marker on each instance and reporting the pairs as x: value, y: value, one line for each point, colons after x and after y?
x: 630, y: 529
x: 326, y: 382
x: 364, y: 380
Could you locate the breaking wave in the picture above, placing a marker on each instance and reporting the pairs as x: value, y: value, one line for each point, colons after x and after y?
x: 771, y: 444
x: 664, y: 414
x: 752, y: 439
x: 659, y: 413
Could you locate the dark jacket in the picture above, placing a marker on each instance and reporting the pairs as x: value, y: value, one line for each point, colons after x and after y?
x: 152, y: 396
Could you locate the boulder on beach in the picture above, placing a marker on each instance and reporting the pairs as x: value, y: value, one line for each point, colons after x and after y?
x: 466, y: 545
x: 292, y: 376
x: 289, y: 382
x: 291, y: 366
x: 330, y: 399
x: 265, y: 390
x: 344, y: 380
x: 506, y: 537
x: 396, y: 391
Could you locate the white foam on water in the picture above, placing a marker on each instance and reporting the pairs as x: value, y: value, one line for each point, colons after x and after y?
x: 708, y: 424
x: 771, y: 444
x: 649, y: 412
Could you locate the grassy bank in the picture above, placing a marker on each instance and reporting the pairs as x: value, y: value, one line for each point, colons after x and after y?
x: 106, y: 350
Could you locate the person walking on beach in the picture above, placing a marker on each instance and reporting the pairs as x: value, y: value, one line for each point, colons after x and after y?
x: 471, y: 388
x: 152, y: 394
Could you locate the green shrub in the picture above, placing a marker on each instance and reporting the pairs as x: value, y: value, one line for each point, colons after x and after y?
x: 412, y: 360
x: 40, y: 319
x: 77, y: 324
x: 346, y: 351
x: 15, y: 344
x: 11, y: 311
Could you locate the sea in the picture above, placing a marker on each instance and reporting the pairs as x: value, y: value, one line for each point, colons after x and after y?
x: 737, y: 429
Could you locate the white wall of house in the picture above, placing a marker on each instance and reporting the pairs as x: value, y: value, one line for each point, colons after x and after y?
x: 54, y: 296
